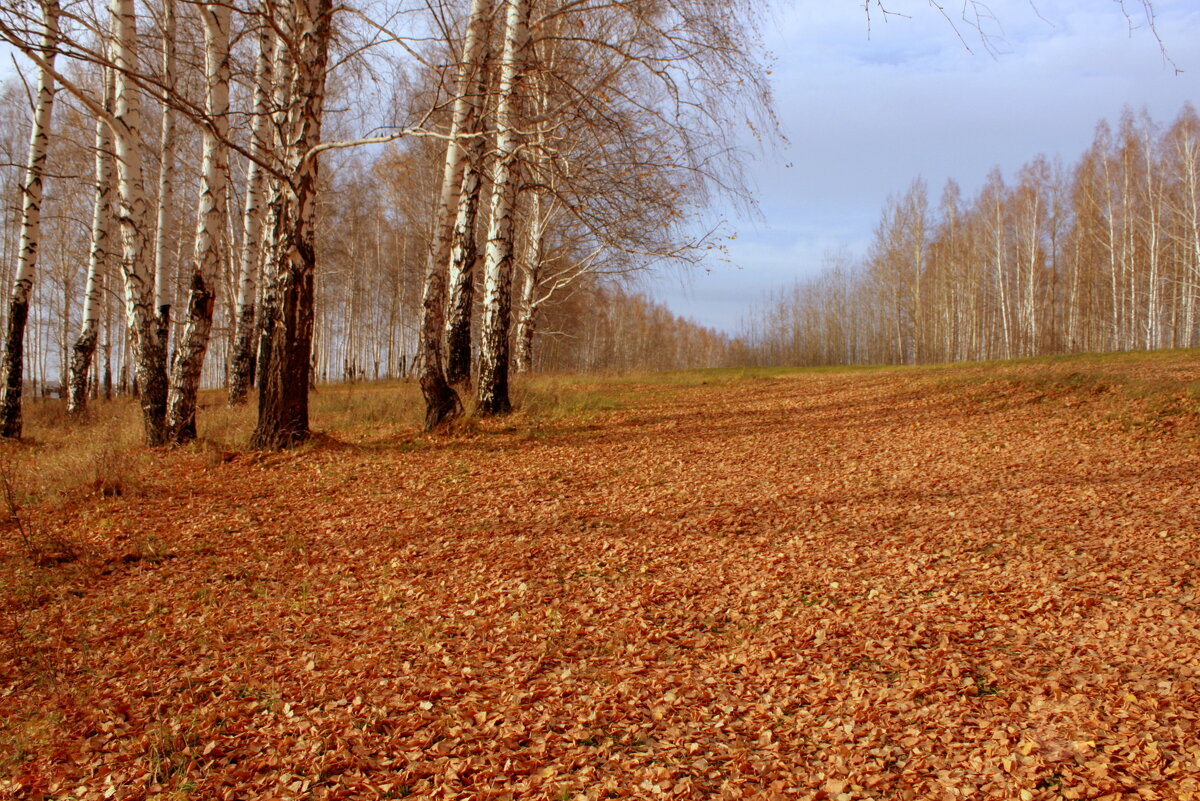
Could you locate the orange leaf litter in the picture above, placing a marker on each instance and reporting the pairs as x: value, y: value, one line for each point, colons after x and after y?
x: 854, y: 586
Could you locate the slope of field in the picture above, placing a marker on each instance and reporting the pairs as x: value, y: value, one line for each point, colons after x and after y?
x: 946, y: 583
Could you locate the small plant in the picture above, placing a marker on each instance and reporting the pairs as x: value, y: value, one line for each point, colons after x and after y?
x: 110, y: 471
x: 13, y: 509
x: 43, y: 549
x: 166, y: 753
x: 985, y: 689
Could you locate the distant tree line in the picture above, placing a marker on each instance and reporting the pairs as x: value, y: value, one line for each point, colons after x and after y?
x: 1101, y: 256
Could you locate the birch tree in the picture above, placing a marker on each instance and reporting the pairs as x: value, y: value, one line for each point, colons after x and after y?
x: 531, y: 269
x: 540, y: 214
x: 250, y: 261
x: 84, y: 348
x: 166, y: 183
x: 13, y: 364
x: 442, y: 403
x: 491, y: 397
x: 193, y: 344
x: 283, y: 394
x: 149, y: 346
x: 281, y: 68
x: 625, y: 136
x: 463, y: 242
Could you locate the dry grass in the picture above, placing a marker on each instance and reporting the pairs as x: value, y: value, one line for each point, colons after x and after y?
x: 62, y: 460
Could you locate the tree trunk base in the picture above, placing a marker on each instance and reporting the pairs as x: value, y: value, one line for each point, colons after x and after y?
x: 494, y: 404
x: 185, y: 434
x: 81, y: 364
x: 442, y: 409
x: 280, y: 439
x: 12, y: 371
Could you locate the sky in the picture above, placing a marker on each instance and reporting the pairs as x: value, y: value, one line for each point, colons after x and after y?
x: 866, y: 112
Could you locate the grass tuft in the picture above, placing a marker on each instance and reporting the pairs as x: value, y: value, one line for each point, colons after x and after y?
x: 558, y: 397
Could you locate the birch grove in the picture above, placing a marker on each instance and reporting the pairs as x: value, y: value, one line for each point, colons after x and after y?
x: 570, y: 196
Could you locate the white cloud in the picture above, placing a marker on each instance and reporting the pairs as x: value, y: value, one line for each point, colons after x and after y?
x: 867, y: 116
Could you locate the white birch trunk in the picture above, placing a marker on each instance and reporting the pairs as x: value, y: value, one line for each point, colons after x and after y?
x: 13, y: 364
x: 193, y: 343
x: 1153, y: 200
x: 997, y: 234
x: 250, y: 262
x: 1113, y: 267
x: 441, y: 401
x: 166, y: 178
x: 264, y: 323
x: 1189, y: 154
x: 492, y: 393
x: 468, y: 168
x: 93, y: 302
x: 1153, y: 326
x: 1029, y: 297
x: 530, y: 273
x: 149, y: 348
x: 526, y: 323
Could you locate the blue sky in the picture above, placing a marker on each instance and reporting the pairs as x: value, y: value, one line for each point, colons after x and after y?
x: 865, y: 116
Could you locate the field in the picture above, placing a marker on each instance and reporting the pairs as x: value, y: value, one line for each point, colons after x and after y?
x: 935, y: 583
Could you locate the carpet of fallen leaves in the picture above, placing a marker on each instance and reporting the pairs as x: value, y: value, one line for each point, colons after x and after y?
x: 900, y: 585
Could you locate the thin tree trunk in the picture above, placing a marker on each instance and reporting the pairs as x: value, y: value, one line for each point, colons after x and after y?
x: 528, y: 308
x: 464, y: 250
x: 526, y: 324
x: 193, y: 344
x: 166, y: 183
x: 264, y: 315
x: 107, y: 380
x: 1191, y: 188
x: 997, y: 234
x: 13, y: 364
x: 251, y: 258
x: 491, y: 397
x: 268, y: 295
x: 85, y: 346
x: 234, y: 239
